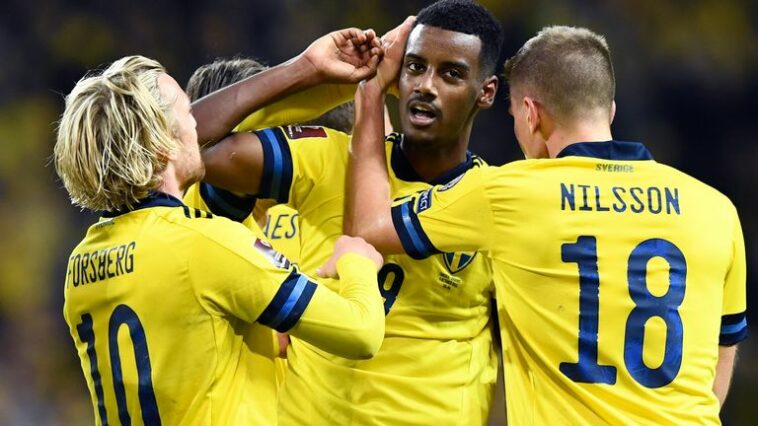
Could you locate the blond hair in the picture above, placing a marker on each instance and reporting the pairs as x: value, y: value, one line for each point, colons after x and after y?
x: 568, y: 69
x: 115, y: 135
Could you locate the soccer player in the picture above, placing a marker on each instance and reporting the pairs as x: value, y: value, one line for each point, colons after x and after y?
x: 437, y: 363
x: 620, y: 281
x: 279, y: 223
x: 158, y: 295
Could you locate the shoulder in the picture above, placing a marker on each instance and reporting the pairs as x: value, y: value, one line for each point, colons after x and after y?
x: 297, y: 133
x: 706, y: 194
x: 206, y: 231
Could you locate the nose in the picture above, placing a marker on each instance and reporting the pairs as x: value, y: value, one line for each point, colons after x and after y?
x: 425, y: 84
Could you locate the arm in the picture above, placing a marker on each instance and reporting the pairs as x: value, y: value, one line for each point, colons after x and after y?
x: 724, y: 369
x: 350, y: 324
x: 367, y: 191
x: 342, y: 56
x: 247, y: 279
x: 235, y: 164
x: 368, y: 200
x: 300, y: 107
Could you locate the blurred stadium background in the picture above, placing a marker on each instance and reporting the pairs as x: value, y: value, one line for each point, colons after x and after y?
x: 687, y: 87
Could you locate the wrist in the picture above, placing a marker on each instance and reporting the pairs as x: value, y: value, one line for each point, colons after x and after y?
x: 353, y: 264
x: 372, y: 88
x: 305, y: 73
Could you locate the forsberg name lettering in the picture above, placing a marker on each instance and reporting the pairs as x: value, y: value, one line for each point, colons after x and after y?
x: 620, y: 199
x: 86, y: 268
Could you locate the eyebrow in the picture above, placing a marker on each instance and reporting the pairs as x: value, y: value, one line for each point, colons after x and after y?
x: 449, y: 64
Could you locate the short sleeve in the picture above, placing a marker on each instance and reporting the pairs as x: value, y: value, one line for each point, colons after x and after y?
x: 295, y: 158
x: 220, y: 202
x: 733, y: 320
x: 453, y: 217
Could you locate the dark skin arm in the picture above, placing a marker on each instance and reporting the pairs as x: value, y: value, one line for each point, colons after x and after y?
x: 367, y: 197
x: 344, y: 56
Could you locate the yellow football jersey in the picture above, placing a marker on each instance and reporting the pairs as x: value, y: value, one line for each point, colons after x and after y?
x: 265, y: 369
x: 436, y: 364
x: 617, y: 278
x: 158, y: 301
x: 281, y: 229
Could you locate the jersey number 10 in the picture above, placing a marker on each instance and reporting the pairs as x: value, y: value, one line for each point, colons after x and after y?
x: 120, y: 316
x: 666, y: 307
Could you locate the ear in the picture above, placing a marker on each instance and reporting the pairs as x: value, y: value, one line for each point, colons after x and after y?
x: 487, y: 92
x: 533, y: 113
x: 613, y: 111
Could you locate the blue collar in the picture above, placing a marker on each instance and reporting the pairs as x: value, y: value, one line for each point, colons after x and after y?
x: 155, y: 199
x: 404, y: 171
x: 611, y: 150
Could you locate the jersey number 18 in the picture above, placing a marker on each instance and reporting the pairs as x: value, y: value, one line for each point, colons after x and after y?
x: 647, y: 305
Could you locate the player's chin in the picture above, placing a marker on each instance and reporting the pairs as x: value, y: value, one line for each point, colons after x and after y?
x: 194, y: 175
x: 420, y: 136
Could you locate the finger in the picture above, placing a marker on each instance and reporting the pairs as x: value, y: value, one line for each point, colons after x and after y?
x: 360, y: 36
x: 328, y: 270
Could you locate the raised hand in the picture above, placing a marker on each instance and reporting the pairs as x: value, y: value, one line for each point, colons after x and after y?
x: 345, y: 56
x: 394, y: 50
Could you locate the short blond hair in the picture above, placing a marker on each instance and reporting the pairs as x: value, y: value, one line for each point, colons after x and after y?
x: 115, y: 136
x: 568, y: 69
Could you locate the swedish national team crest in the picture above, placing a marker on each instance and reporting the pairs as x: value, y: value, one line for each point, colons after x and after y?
x: 456, y: 262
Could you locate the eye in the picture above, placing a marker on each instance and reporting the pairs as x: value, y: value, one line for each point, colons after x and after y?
x: 454, y: 74
x: 414, y: 67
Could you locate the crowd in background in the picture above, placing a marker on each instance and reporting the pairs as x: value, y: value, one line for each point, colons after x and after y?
x: 686, y: 87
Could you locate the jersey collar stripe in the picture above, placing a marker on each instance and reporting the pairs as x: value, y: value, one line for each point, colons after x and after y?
x: 610, y: 150
x: 404, y: 170
x: 155, y: 199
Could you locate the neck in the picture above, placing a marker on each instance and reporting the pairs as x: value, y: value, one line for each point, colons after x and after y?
x: 170, y: 183
x: 560, y: 138
x: 432, y: 160
x: 429, y: 164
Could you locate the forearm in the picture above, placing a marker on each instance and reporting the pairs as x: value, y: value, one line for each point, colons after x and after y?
x: 350, y: 324
x: 724, y: 369
x: 368, y: 198
x: 218, y: 113
x: 299, y: 107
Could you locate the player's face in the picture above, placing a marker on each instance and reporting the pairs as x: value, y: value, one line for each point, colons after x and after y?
x: 188, y: 163
x: 439, y: 85
x: 531, y: 143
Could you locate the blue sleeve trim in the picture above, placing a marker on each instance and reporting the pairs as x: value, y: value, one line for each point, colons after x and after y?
x: 276, y: 179
x: 733, y: 329
x: 289, y: 303
x: 227, y: 204
x: 415, y: 242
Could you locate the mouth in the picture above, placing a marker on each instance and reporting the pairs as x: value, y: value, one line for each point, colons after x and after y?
x: 421, y: 114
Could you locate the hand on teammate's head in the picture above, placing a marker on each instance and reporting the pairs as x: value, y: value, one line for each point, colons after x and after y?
x: 345, y: 56
x: 345, y: 245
